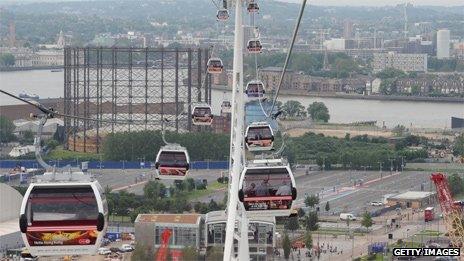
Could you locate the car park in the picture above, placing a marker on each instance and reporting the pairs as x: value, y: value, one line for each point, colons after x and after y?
x: 126, y: 248
x: 104, y: 251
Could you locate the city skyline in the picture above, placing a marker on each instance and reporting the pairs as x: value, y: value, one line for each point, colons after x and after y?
x: 379, y: 2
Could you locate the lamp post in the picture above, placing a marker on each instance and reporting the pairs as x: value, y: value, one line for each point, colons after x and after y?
x: 380, y: 169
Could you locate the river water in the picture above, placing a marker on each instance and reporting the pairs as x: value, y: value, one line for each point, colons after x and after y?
x: 408, y: 113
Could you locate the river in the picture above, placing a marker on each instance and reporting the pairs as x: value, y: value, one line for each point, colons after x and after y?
x: 408, y: 113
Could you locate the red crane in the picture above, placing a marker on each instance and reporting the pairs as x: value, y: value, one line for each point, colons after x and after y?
x: 163, y: 250
x: 452, y: 212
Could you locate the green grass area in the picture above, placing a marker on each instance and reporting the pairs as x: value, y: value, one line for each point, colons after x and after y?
x: 62, y: 154
x: 195, y: 194
x: 336, y: 232
x: 377, y: 257
x: 459, y: 196
x: 114, y: 218
x: 432, y: 233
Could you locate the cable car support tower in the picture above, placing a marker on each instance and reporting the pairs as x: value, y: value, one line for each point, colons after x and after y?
x: 235, y: 213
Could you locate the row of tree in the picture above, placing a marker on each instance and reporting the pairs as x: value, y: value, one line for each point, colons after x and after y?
x: 317, y: 110
x: 356, y: 153
x: 159, y: 198
x: 146, y: 144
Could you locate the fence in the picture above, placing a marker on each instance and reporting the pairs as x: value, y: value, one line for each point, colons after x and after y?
x: 9, y: 164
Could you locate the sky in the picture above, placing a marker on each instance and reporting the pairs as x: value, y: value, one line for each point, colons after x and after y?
x: 380, y: 2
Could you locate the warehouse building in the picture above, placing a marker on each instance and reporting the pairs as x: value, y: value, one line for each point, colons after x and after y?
x: 413, y: 199
x: 185, y: 231
x: 261, y: 231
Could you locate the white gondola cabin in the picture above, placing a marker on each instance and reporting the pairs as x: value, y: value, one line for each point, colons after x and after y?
x: 259, y: 136
x: 267, y: 188
x: 172, y: 162
x: 222, y: 15
x: 255, y: 90
x: 202, y: 115
x: 254, y: 46
x: 252, y: 7
x: 214, y: 66
x: 63, y: 214
x: 226, y: 107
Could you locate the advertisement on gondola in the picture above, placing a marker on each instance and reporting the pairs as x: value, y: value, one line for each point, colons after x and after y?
x: 172, y: 171
x: 41, y: 237
x: 267, y: 192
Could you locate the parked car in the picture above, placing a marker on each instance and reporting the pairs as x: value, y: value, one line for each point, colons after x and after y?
x: 376, y: 203
x: 104, y: 251
x: 126, y: 248
x: 114, y: 249
x: 347, y: 216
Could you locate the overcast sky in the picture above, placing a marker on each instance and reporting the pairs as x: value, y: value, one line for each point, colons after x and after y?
x: 380, y: 2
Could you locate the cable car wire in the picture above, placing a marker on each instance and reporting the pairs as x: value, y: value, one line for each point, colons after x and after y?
x: 287, y: 59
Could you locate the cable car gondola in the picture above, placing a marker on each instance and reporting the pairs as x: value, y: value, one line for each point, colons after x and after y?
x: 172, y: 162
x: 202, y: 115
x: 252, y: 7
x: 267, y: 188
x: 222, y: 15
x: 255, y: 90
x: 254, y: 46
x: 62, y: 216
x: 226, y: 107
x: 259, y: 136
x: 214, y: 66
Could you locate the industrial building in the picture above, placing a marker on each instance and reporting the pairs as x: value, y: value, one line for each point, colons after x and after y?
x: 413, y: 199
x: 443, y: 44
x: 10, y: 203
x: 261, y: 231
x: 185, y: 228
x: 401, y: 61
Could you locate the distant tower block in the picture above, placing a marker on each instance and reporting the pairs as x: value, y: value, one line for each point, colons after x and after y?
x: 12, y: 35
x: 61, y: 42
x: 443, y: 44
x: 348, y: 29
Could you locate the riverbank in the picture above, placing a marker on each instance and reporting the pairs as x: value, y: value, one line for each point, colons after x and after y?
x: 305, y: 93
x: 30, y: 68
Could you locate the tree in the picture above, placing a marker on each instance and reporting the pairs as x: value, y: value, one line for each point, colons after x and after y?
x: 327, y: 206
x: 388, y: 86
x: 319, y: 112
x: 28, y: 137
x: 292, y: 224
x: 311, y: 221
x: 308, y: 240
x: 293, y: 109
x: 7, y: 59
x: 456, y: 184
x: 52, y: 144
x: 391, y: 73
x: 399, y: 130
x: 214, y: 253
x: 367, y: 220
x: 415, y: 89
x: 301, y: 213
x: 6, y: 129
x: 190, y: 253
x: 286, y: 245
x: 141, y: 252
x: 458, y: 147
x: 311, y: 201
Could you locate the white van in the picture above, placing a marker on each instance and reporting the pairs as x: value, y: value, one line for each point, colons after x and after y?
x: 347, y: 216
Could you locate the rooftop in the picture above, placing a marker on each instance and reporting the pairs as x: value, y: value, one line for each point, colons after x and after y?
x: 220, y: 216
x: 169, y: 218
x: 412, y: 195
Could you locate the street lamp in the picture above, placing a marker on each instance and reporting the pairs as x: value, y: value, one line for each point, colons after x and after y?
x: 380, y: 169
